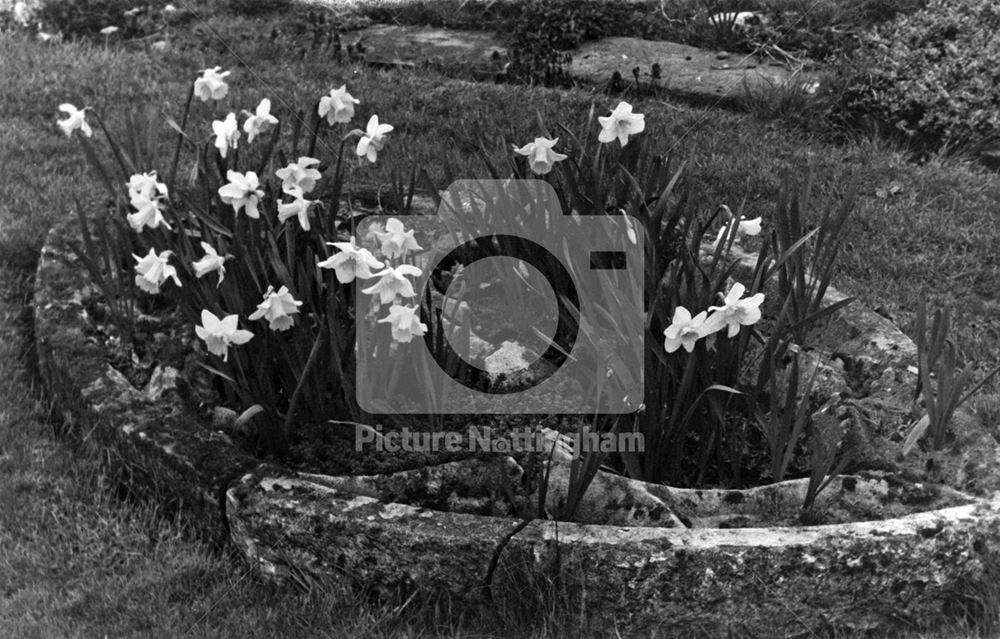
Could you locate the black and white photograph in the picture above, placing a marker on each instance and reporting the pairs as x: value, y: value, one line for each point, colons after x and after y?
x: 494, y: 319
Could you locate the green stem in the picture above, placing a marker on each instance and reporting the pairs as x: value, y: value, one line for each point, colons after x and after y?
x: 180, y: 139
x: 306, y: 371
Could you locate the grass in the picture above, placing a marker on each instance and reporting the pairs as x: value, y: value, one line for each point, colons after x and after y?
x: 78, y: 562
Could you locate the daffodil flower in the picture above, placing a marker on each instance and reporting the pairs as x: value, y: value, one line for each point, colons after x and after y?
x: 621, y: 124
x: 338, y: 106
x: 148, y: 213
x: 219, y: 334
x: 736, y: 312
x: 277, y: 308
x: 74, y: 121
x: 227, y: 134
x: 750, y: 227
x: 260, y: 121
x: 393, y: 282
x: 242, y: 192
x: 298, y: 207
x: 299, y: 175
x: 371, y: 235
x: 404, y: 322
x: 744, y: 227
x: 109, y: 30
x: 146, y: 185
x: 153, y: 270
x: 211, y: 262
x: 373, y: 139
x: 541, y: 157
x: 351, y: 261
x: 396, y: 240
x: 211, y: 85
x: 684, y: 330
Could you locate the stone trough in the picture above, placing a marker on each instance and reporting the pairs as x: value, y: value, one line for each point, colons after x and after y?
x: 634, y: 579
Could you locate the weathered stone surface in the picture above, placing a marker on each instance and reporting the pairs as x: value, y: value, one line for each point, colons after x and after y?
x: 685, y: 70
x: 160, y: 448
x: 661, y: 580
x: 645, y: 579
x: 408, y: 46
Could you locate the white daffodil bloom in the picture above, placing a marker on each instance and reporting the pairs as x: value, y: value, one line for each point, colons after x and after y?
x: 298, y: 207
x: 744, y: 227
x: 393, y: 282
x: 146, y: 185
x: 736, y: 312
x: 277, y: 308
x: 211, y: 262
x: 227, y: 134
x: 153, y: 270
x: 219, y: 334
x: 684, y: 330
x: 338, y: 106
x: 750, y: 227
x: 373, y: 140
x: 351, y: 261
x: 299, y: 175
x: 149, y: 213
x: 74, y: 121
x: 259, y: 122
x: 242, y: 192
x: 211, y: 85
x: 621, y: 124
x: 541, y: 157
x: 404, y: 322
x: 109, y: 30
x: 396, y: 240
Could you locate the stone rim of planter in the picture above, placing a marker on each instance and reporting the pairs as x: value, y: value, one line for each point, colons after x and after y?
x: 861, y: 575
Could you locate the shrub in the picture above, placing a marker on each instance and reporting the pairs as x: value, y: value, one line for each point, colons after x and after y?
x: 933, y: 75
x: 86, y: 18
x: 83, y: 18
x: 257, y: 7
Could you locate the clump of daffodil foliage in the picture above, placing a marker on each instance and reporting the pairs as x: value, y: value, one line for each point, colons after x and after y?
x: 257, y: 250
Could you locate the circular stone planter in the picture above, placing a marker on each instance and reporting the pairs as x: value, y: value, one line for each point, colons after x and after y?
x: 636, y: 579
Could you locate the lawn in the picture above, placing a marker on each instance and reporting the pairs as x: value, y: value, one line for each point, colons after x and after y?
x: 78, y: 562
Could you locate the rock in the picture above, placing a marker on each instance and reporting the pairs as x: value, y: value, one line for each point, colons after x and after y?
x: 609, y: 500
x: 224, y: 419
x: 163, y: 380
x: 507, y: 360
x: 686, y: 71
x: 409, y: 46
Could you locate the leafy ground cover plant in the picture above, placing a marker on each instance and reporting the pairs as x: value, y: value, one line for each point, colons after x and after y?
x: 926, y: 76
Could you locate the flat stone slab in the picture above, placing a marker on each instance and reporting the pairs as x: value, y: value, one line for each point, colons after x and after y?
x: 686, y: 71
x: 407, y: 46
